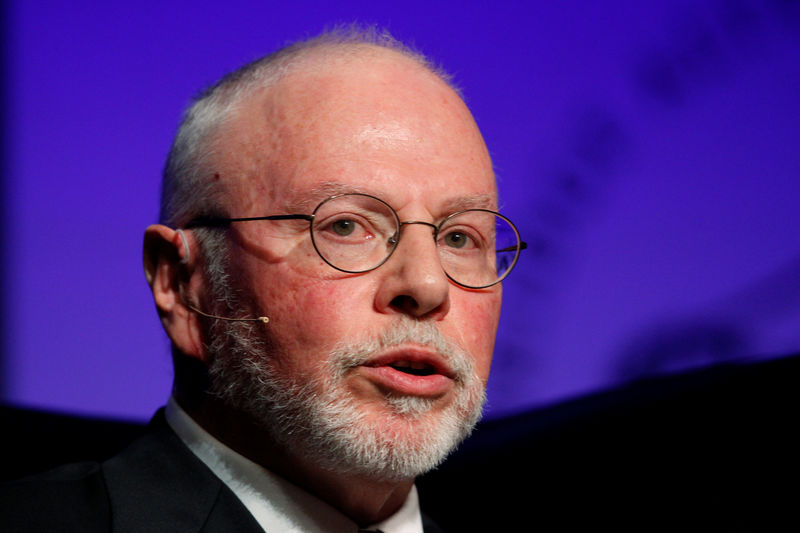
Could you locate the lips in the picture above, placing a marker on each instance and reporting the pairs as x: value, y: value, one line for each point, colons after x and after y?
x: 412, y: 372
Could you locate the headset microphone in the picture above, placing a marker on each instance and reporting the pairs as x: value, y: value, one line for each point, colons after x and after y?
x: 185, y: 260
x: 263, y: 319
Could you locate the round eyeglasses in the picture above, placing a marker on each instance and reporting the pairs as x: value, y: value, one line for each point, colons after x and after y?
x: 356, y: 233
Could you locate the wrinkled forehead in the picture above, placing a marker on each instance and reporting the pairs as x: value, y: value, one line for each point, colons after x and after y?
x: 363, y: 122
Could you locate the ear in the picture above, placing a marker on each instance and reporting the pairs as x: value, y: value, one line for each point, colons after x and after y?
x: 170, y: 269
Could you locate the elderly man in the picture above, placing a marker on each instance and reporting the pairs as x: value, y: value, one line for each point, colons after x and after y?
x: 327, y: 269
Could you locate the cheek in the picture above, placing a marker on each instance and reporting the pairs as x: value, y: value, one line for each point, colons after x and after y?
x: 478, y: 325
x: 318, y: 314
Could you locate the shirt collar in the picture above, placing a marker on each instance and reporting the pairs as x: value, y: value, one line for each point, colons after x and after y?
x: 275, y: 503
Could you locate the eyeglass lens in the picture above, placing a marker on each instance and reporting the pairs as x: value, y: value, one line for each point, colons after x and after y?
x: 357, y: 233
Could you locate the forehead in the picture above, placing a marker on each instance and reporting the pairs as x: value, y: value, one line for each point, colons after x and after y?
x: 307, y: 200
x: 379, y: 124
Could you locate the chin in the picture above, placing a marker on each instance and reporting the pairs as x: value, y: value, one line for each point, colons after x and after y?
x: 411, y: 438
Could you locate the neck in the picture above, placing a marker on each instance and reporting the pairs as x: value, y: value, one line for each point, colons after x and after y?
x: 364, y: 500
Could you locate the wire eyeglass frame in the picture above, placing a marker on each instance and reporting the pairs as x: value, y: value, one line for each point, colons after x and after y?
x: 393, y: 241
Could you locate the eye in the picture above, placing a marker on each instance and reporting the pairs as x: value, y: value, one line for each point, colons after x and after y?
x: 343, y: 227
x: 456, y: 239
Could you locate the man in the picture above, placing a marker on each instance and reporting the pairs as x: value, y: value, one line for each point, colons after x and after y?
x: 327, y: 349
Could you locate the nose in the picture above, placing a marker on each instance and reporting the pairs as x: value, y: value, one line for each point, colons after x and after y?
x: 414, y: 282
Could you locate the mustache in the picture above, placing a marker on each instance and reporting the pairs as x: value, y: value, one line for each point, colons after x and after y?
x: 404, y: 331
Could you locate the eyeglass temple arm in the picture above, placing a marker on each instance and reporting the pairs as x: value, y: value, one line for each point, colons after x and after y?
x: 522, y: 246
x: 211, y: 221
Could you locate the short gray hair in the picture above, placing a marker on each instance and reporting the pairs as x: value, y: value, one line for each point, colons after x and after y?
x: 187, y: 188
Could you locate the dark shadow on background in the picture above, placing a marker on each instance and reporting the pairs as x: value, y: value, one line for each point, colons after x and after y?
x: 715, y: 446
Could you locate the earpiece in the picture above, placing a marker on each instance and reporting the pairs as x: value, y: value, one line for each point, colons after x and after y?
x: 185, y: 259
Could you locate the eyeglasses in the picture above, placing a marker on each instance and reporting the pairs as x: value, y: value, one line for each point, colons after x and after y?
x: 356, y: 233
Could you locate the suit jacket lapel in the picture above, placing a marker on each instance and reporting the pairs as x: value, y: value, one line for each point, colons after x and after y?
x: 158, y: 484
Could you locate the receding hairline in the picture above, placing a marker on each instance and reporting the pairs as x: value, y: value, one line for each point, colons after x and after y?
x: 187, y: 186
x: 327, y: 50
x: 322, y: 63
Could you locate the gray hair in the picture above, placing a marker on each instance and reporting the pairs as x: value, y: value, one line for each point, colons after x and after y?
x: 188, y: 188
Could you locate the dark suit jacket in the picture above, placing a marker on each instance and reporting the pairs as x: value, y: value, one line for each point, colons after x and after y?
x: 155, y: 485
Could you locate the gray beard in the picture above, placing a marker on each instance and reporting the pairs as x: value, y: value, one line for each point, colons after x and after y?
x: 320, y: 420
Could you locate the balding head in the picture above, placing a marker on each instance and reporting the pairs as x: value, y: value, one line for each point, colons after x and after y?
x: 190, y: 185
x: 333, y: 109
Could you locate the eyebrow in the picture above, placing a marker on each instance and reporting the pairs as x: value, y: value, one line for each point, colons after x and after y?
x: 479, y: 201
x: 312, y: 197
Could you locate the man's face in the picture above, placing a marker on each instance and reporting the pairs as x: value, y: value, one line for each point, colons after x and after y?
x: 400, y: 349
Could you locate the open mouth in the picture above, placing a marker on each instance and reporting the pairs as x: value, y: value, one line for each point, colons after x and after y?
x: 411, y: 372
x: 413, y: 368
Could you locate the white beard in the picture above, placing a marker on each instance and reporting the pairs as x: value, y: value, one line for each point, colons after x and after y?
x: 320, y: 420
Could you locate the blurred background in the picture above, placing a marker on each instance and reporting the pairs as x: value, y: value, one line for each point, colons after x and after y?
x: 648, y: 152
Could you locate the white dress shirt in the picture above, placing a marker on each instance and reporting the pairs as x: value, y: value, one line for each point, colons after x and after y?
x: 278, y: 505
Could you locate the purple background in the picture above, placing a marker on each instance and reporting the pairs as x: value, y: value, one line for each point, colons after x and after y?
x: 648, y: 151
